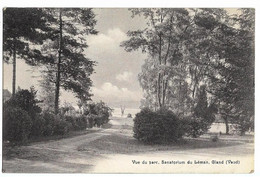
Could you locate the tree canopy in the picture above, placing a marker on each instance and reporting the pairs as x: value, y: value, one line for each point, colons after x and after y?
x: 188, y: 48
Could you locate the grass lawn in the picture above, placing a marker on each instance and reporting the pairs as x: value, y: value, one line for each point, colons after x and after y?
x: 122, y: 142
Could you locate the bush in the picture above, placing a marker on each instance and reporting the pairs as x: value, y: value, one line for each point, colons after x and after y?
x: 243, y: 124
x: 98, y: 113
x: 203, y: 116
x: 38, y: 126
x: 195, y: 127
x: 61, y: 127
x: 90, y: 119
x: 77, y: 123
x: 214, y: 138
x: 157, y: 127
x: 72, y: 121
x: 55, y: 124
x: 81, y: 122
x: 27, y: 101
x: 49, y: 123
x: 17, y: 124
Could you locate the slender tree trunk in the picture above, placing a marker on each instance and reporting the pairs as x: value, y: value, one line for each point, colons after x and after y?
x: 165, y: 82
x: 159, y: 76
x: 164, y: 92
x: 57, y: 91
x: 195, y: 84
x: 14, y: 68
x: 159, y: 90
x: 227, y: 127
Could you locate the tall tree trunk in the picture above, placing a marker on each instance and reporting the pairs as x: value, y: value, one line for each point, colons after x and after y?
x: 159, y: 90
x: 14, y: 68
x: 195, y: 83
x: 227, y: 127
x: 57, y: 91
x: 159, y: 76
x: 165, y: 84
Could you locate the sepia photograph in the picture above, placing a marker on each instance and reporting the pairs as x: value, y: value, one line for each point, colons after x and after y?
x: 128, y: 90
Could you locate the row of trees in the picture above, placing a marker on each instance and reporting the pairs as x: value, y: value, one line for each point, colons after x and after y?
x: 197, y: 60
x: 54, y: 39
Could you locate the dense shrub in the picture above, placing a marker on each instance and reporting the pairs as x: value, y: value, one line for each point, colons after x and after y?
x: 55, y: 124
x: 38, y: 126
x: 98, y: 114
x: 195, y: 127
x: 49, y: 123
x: 26, y: 100
x: 77, y: 123
x: 81, y: 122
x: 72, y: 121
x: 17, y: 124
x: 157, y: 127
x: 61, y: 127
x: 203, y: 116
x: 243, y: 124
x: 99, y: 120
x: 90, y: 118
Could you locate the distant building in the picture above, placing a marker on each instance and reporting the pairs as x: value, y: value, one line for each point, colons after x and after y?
x: 6, y: 95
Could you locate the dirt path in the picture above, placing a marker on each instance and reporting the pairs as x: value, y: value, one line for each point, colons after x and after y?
x: 67, y: 155
x: 55, y: 156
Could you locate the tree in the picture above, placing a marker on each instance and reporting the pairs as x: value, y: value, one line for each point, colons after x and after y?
x: 162, y: 41
x: 70, y: 64
x: 179, y: 45
x: 188, y: 48
x: 47, y: 92
x: 22, y: 28
x: 26, y: 100
x: 202, y: 104
x: 233, y: 85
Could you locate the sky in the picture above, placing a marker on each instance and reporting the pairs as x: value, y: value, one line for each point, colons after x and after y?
x: 115, y: 80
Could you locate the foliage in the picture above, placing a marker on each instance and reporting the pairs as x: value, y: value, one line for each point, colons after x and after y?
x: 55, y: 124
x: 196, y: 126
x: 162, y: 40
x: 56, y: 38
x: 187, y: 48
x: 61, y: 127
x: 244, y: 124
x: 22, y: 29
x: 66, y: 49
x: 23, y: 26
x: 157, y: 127
x: 17, y: 124
x: 90, y: 118
x: 77, y: 123
x: 47, y: 92
x: 67, y: 107
x: 26, y: 100
x: 233, y: 85
x: 98, y: 112
x: 203, y: 115
x: 38, y: 126
x: 49, y: 119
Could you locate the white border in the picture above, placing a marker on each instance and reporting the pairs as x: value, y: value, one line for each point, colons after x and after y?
x: 145, y: 3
